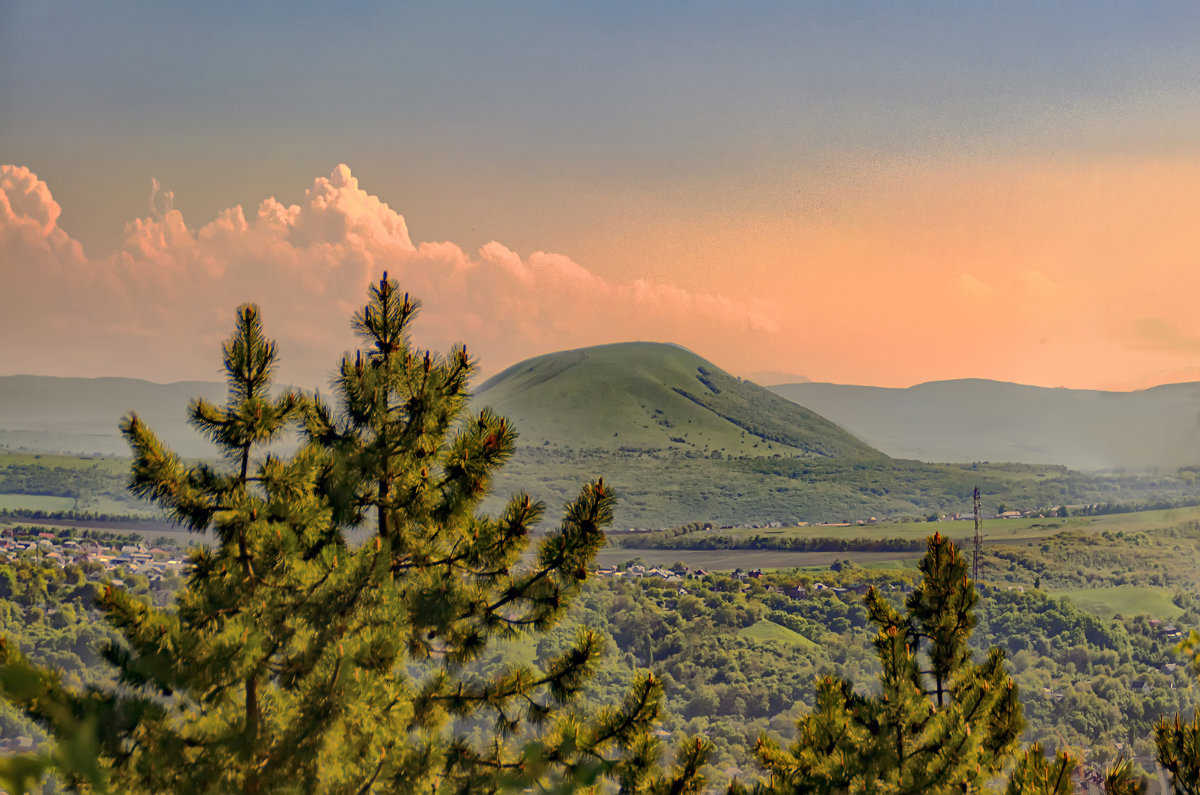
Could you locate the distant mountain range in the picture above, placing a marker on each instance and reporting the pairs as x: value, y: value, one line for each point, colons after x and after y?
x: 682, y: 440
x: 80, y: 415
x: 661, y: 397
x: 979, y: 420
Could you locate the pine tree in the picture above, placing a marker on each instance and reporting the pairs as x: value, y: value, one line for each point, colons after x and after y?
x: 324, y: 642
x: 1178, y: 740
x: 940, y: 722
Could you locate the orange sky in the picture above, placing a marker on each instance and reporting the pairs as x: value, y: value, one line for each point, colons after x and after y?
x: 873, y: 194
x: 1076, y: 274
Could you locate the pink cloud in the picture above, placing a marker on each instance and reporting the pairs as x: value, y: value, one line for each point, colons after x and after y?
x: 159, y: 305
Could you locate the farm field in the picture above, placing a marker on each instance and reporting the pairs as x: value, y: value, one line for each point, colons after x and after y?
x: 728, y: 560
x: 1123, y: 600
x: 993, y: 530
x: 36, y: 502
x: 110, y: 464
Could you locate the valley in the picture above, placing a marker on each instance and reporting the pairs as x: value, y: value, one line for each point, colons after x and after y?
x: 746, y: 529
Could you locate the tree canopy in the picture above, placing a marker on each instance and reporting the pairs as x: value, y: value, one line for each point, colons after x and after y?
x: 940, y: 722
x: 324, y: 640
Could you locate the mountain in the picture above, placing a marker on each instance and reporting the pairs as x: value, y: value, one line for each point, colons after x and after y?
x: 981, y: 420
x: 681, y: 440
x: 660, y: 397
x: 642, y: 396
x: 629, y: 396
x: 776, y: 377
x: 80, y: 415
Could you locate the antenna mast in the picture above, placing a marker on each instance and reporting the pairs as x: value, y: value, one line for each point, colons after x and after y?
x: 977, y: 556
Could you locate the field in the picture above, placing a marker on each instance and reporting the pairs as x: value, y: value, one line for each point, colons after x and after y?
x: 36, y: 502
x: 1005, y: 530
x: 770, y: 631
x: 108, y: 464
x: 57, y: 483
x: 669, y: 488
x: 728, y: 560
x: 993, y: 530
x: 1124, y: 600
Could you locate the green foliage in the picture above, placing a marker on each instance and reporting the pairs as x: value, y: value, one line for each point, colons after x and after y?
x: 1081, y: 679
x: 1036, y: 775
x: 329, y: 639
x: 41, y: 486
x: 940, y: 722
x: 1178, y: 740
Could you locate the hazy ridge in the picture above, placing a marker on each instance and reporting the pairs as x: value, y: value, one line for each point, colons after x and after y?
x: 682, y: 440
x: 982, y: 420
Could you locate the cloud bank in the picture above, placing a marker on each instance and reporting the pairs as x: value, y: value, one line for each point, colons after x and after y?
x: 159, y: 305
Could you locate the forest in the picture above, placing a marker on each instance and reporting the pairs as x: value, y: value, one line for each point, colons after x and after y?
x: 737, y: 655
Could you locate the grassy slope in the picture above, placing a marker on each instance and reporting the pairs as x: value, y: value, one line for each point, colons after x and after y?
x: 980, y: 420
x: 654, y: 396
x: 770, y: 631
x: 1125, y: 600
x: 661, y: 424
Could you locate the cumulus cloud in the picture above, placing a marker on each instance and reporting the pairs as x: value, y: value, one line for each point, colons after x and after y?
x: 161, y: 199
x: 158, y: 306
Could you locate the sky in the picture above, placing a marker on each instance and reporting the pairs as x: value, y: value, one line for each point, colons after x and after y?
x: 869, y: 193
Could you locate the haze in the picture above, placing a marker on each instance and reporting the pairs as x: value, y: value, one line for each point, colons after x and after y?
x: 859, y: 193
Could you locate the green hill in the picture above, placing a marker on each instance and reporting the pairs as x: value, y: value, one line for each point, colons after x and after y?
x: 981, y: 420
x: 681, y: 440
x: 643, y: 396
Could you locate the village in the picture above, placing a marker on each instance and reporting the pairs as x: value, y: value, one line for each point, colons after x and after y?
x: 104, y: 557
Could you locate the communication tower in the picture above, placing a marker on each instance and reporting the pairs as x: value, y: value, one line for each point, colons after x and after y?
x: 977, y: 556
